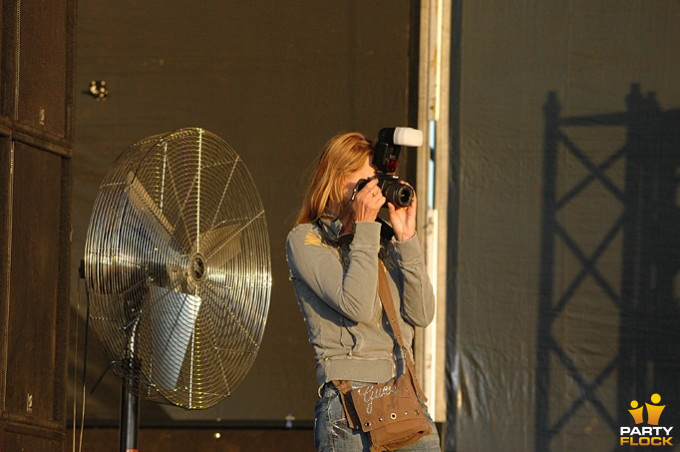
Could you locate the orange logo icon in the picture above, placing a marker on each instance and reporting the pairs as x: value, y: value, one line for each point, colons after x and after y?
x: 653, y: 410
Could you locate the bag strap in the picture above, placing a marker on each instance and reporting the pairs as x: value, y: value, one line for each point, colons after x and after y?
x: 390, y: 311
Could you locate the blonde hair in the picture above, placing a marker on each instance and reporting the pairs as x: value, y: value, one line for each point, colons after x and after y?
x: 341, y: 156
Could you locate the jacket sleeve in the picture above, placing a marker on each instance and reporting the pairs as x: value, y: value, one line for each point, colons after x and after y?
x: 418, y: 302
x: 353, y: 292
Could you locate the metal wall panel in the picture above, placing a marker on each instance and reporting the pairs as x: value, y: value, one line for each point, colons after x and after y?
x: 36, y: 96
x: 2, y: 59
x: 33, y: 359
x: 5, y: 228
x: 42, y: 52
x: 21, y: 439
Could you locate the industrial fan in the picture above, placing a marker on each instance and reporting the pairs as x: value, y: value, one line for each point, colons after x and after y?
x: 177, y: 271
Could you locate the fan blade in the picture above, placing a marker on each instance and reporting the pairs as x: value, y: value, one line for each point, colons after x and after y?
x: 174, y: 322
x: 154, y: 238
x: 141, y: 201
x: 220, y: 244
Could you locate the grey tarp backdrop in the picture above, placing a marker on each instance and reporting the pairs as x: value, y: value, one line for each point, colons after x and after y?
x: 568, y: 161
x: 564, y: 289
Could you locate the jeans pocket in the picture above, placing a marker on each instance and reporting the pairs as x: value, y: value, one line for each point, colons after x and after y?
x: 331, y: 430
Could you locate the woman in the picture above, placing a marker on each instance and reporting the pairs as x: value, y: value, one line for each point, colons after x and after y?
x: 333, y: 253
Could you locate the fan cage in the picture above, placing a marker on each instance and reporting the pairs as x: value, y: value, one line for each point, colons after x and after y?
x: 177, y: 268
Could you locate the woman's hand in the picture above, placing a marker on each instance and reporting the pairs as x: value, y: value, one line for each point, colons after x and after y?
x: 367, y: 202
x: 403, y: 219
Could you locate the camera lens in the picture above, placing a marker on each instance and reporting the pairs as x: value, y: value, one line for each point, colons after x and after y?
x: 399, y: 194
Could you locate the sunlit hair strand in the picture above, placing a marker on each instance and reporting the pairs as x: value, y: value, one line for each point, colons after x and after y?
x: 341, y: 156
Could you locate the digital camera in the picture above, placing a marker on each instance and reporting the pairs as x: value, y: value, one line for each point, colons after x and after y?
x: 385, y: 160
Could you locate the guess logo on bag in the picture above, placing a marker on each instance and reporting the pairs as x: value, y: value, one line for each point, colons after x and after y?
x: 371, y: 392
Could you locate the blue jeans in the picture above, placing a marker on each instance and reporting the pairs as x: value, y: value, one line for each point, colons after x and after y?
x: 332, y: 433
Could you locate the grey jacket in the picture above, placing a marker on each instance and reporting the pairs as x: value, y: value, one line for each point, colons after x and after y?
x: 336, y: 284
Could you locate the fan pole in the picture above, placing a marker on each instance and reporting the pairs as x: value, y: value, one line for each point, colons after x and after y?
x: 129, y: 415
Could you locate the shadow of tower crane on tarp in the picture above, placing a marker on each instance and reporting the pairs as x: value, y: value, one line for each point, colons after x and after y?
x: 645, y: 294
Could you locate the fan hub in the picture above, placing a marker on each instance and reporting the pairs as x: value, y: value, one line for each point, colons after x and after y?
x: 197, y: 268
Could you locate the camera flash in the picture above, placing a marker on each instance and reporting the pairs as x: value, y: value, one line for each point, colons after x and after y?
x: 406, y: 136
